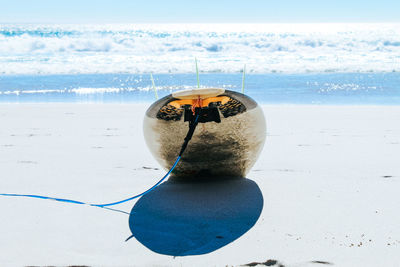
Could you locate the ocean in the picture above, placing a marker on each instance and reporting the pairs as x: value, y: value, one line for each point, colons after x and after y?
x: 285, y: 63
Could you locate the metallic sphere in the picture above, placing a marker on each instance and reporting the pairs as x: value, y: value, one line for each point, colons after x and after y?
x: 226, y: 143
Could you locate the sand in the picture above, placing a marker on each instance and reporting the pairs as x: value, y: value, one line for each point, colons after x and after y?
x: 324, y: 190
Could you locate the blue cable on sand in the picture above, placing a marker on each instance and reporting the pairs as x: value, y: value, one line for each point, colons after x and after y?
x: 192, y: 127
x: 141, y: 194
x: 106, y: 205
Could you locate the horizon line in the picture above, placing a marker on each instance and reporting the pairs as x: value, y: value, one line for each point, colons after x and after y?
x: 204, y: 23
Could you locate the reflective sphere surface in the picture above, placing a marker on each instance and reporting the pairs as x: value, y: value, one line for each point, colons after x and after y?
x: 227, y: 141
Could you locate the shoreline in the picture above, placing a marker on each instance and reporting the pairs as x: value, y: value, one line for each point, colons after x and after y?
x: 148, y: 103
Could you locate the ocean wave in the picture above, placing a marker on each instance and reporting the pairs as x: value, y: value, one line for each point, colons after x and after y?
x: 332, y: 87
x: 100, y: 90
x: 264, y: 48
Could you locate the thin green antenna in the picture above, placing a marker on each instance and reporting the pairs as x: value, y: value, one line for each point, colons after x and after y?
x: 243, y: 78
x: 197, y: 73
x: 154, y: 86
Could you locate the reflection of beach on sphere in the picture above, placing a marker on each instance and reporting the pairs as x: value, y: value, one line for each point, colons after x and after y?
x: 228, y: 148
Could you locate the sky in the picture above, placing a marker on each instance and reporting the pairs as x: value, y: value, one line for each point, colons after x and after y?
x: 200, y: 11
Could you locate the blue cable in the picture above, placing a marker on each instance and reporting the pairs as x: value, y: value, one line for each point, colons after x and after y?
x: 44, y: 197
x: 97, y: 205
x: 141, y: 194
x: 106, y: 205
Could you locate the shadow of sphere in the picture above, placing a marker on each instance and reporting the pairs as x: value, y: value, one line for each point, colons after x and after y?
x: 191, y: 218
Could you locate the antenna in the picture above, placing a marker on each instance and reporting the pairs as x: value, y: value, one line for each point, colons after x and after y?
x: 154, y: 86
x: 243, y: 78
x: 197, y: 73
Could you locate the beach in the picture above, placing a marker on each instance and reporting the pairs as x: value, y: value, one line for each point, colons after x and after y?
x: 326, y: 184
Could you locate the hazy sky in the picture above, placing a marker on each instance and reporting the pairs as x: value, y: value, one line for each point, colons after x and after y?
x: 200, y: 11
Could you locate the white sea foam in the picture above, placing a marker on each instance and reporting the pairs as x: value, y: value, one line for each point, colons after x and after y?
x: 43, y: 91
x: 79, y: 91
x: 265, y: 48
x: 99, y: 90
